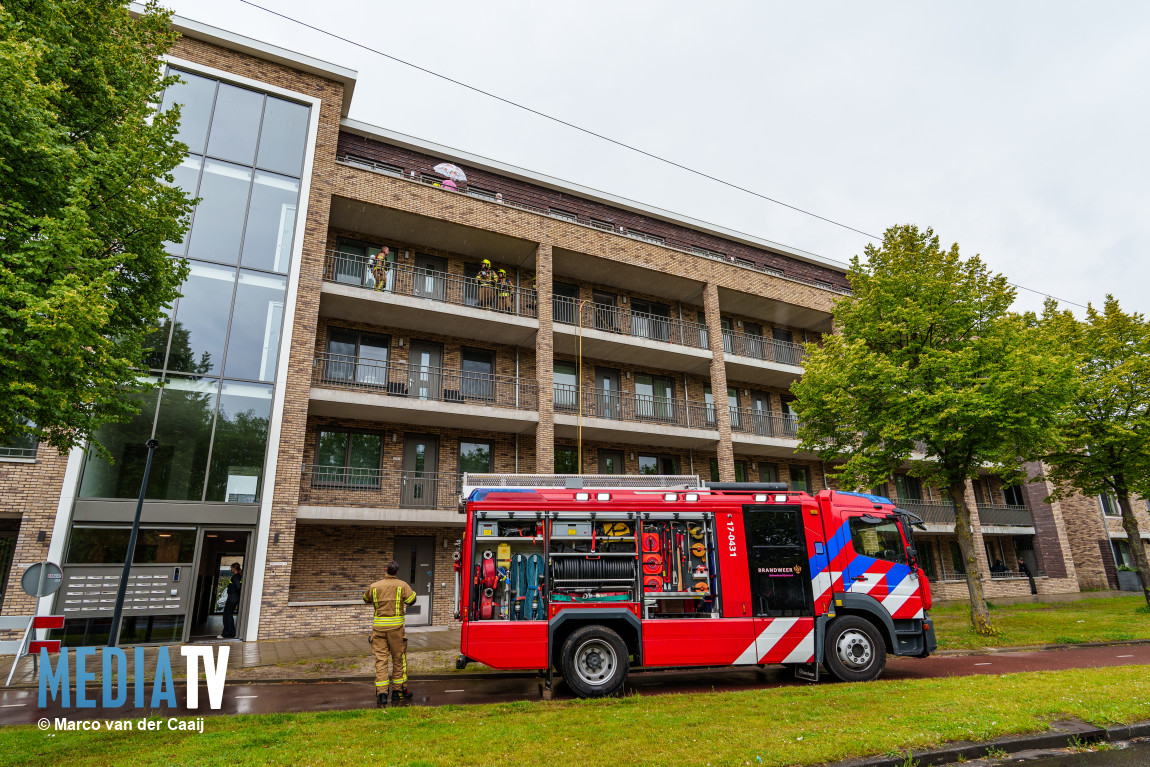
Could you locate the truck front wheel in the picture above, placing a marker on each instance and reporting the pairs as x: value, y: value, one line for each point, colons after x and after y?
x: 854, y: 651
x: 594, y: 661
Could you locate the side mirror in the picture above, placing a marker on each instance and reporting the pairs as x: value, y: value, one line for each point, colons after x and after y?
x: 912, y: 556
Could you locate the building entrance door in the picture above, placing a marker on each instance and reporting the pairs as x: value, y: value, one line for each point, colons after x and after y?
x: 416, y: 558
x: 420, y: 471
x: 218, y: 550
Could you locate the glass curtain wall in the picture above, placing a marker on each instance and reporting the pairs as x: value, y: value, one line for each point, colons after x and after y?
x: 216, y: 350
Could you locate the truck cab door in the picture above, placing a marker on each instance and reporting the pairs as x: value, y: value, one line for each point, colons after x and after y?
x: 781, y: 588
x: 879, y: 567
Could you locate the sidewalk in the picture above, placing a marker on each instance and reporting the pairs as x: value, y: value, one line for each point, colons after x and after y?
x: 275, y: 652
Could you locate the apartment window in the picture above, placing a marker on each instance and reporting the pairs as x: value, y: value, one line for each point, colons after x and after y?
x: 1122, y: 553
x: 654, y: 398
x: 652, y: 238
x: 768, y: 472
x: 354, y: 357
x: 658, y: 464
x: 606, y: 311
x: 908, y: 488
x: 566, y: 386
x: 1110, y: 505
x: 478, y: 374
x: 606, y: 226
x: 348, y: 458
x: 566, y: 460
x: 109, y: 545
x: 610, y: 462
x: 956, y: 558
x: 1013, y: 495
x: 475, y: 457
x: 18, y: 445
x: 801, y: 478
x: 740, y: 471
x: 650, y: 320
x: 565, y: 302
x: 562, y: 214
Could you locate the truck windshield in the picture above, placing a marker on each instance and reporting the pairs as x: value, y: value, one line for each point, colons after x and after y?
x: 881, y: 539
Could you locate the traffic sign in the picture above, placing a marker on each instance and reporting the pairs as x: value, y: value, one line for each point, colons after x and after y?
x: 42, y: 579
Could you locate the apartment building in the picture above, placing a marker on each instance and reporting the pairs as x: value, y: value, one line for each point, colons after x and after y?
x: 336, y: 363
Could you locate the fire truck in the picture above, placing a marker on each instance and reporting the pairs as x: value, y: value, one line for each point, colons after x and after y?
x: 590, y: 577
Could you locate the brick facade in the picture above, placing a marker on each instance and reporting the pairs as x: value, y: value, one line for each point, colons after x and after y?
x: 29, y: 497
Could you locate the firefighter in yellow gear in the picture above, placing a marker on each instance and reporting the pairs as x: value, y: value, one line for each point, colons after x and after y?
x: 486, y: 280
x: 390, y: 597
x: 505, y: 288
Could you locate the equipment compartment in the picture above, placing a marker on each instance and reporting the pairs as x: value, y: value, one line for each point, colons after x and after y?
x: 678, y: 563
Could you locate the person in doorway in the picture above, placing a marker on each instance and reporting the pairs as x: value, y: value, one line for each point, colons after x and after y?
x: 1022, y: 568
x: 390, y: 597
x: 235, y: 585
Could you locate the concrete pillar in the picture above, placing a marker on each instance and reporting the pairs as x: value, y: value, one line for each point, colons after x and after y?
x: 545, y: 363
x: 726, y: 453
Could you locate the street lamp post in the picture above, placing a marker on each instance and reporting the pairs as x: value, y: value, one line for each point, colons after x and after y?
x: 114, y: 630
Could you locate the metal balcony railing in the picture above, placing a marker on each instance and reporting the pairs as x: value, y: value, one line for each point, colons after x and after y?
x: 18, y: 452
x: 376, y: 488
x: 935, y: 513
x: 762, y: 348
x: 619, y: 319
x: 628, y: 406
x: 433, y: 285
x: 1005, y: 515
x: 762, y: 423
x: 516, y: 199
x: 400, y: 379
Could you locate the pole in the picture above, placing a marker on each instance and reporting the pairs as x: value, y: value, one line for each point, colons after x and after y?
x: 114, y: 631
x: 579, y: 393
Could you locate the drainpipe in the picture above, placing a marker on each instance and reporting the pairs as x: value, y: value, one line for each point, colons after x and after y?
x: 517, y: 452
x: 516, y: 376
x: 685, y: 400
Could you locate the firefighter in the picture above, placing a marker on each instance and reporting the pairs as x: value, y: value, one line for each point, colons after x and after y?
x: 390, y: 597
x: 379, y: 268
x: 486, y: 281
x: 505, y: 287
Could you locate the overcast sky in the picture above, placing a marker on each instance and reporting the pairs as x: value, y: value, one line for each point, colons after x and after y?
x: 1019, y: 130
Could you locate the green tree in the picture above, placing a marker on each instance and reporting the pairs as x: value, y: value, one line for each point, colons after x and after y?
x: 928, y: 352
x: 86, y: 204
x: 1105, y: 429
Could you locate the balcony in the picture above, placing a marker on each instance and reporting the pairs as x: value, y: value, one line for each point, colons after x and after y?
x: 932, y: 513
x: 993, y: 515
x: 348, y: 387
x: 348, y: 495
x: 636, y: 418
x: 360, y: 290
x: 758, y: 432
x: 618, y: 334
x: 994, y: 518
x: 756, y: 358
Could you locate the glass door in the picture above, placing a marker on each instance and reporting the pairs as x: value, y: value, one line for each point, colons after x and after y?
x: 430, y: 277
x: 423, y: 370
x: 420, y: 472
x: 607, y: 394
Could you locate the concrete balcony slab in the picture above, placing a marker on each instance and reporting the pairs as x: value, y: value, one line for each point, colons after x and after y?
x: 631, y: 350
x: 635, y: 433
x: 368, y: 406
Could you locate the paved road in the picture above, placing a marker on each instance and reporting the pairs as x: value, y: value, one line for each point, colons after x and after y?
x: 1136, y: 755
x: 19, y: 706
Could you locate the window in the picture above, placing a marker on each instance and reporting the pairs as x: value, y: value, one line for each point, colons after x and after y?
x: 360, y: 358
x: 956, y: 558
x: 235, y: 124
x: 219, y: 218
x: 652, y: 238
x: 880, y: 541
x: 393, y: 170
x: 271, y: 222
x: 195, y: 96
x: 475, y: 457
x: 566, y: 460
x: 348, y: 459
x: 1122, y: 553
x: 283, y: 137
x: 650, y: 320
x: 740, y: 471
x: 610, y: 462
x: 606, y: 226
x: 184, y: 430
x: 109, y: 545
x: 21, y: 445
x: 1110, y: 505
x: 240, y: 441
x: 485, y: 194
x: 606, y: 311
x: 566, y: 386
x: 562, y: 214
x: 478, y: 374
x: 801, y: 478
x: 654, y: 398
x: 777, y: 558
x: 908, y: 488
x: 565, y: 302
x: 257, y: 316
x: 768, y: 472
x: 125, y: 443
x: 1013, y: 495
x: 709, y: 253
x: 658, y: 464
x: 925, y: 553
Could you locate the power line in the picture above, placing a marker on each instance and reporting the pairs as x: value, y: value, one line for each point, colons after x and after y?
x: 600, y: 136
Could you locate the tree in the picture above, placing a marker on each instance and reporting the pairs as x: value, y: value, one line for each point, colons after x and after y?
x: 86, y: 205
x: 928, y: 352
x: 1105, y: 429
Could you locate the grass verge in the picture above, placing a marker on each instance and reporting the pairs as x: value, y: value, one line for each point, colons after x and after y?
x: 781, y: 726
x: 1086, y: 620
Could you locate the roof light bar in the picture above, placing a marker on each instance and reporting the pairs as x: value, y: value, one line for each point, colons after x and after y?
x: 691, y: 497
x: 582, y: 496
x: 602, y: 496
x: 670, y: 496
x: 760, y: 497
x: 780, y: 499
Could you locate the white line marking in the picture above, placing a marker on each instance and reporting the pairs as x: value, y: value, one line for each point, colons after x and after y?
x: 453, y: 690
x: 1120, y: 656
x: 13, y: 705
x: 246, y: 696
x: 982, y: 664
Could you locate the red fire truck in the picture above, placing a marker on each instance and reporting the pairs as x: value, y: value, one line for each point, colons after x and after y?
x: 592, y: 579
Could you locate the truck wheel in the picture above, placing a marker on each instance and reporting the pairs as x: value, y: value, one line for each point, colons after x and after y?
x: 854, y: 651
x: 594, y: 661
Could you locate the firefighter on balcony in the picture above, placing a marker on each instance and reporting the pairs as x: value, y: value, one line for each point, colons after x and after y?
x: 379, y: 268
x: 505, y: 288
x: 486, y: 280
x: 390, y: 597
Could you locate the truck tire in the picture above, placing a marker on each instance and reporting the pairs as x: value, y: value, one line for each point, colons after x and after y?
x: 594, y: 661
x: 854, y: 651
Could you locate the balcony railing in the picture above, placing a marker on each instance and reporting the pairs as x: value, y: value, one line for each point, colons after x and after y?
x: 935, y: 513
x: 627, y: 406
x: 618, y: 319
x: 431, y: 284
x: 762, y: 348
x: 400, y: 379
x: 762, y: 423
x: 524, y: 201
x: 1005, y: 515
x: 377, y: 488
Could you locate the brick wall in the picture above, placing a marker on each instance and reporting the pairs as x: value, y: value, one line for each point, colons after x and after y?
x: 31, y: 490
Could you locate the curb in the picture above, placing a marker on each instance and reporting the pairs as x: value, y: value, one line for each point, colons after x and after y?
x: 1037, y: 648
x: 1061, y: 735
